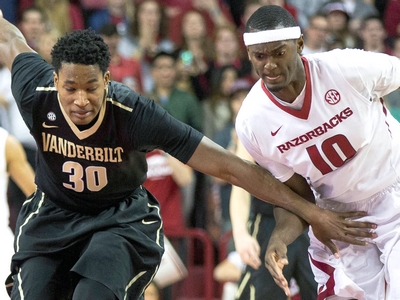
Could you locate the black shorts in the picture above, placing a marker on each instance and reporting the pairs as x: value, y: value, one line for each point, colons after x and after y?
x: 121, y: 247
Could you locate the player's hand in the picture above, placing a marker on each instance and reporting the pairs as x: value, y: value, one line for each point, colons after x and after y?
x: 249, y: 250
x: 275, y: 260
x: 341, y: 226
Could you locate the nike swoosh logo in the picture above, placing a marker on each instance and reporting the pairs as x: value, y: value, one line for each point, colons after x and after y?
x: 48, y: 126
x: 273, y: 133
x: 148, y: 222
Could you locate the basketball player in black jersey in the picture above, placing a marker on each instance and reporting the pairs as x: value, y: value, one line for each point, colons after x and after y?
x: 91, y: 231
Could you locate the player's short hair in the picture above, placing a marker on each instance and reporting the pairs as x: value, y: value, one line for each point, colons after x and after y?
x: 270, y: 17
x: 81, y: 47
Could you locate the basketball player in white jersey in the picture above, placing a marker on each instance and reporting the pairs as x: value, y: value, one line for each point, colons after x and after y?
x: 12, y: 163
x: 318, y: 123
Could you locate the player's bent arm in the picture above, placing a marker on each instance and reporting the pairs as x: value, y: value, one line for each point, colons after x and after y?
x: 288, y: 225
x: 214, y: 160
x: 12, y: 42
x: 287, y: 228
x: 18, y: 166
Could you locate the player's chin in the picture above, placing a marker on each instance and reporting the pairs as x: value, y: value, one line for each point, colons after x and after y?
x: 81, y: 118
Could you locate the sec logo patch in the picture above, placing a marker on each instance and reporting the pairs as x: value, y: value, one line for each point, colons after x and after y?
x: 332, y: 97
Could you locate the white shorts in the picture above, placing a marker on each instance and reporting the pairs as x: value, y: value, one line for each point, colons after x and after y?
x: 369, y: 272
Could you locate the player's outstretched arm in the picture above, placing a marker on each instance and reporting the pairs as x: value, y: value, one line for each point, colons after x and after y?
x: 18, y: 166
x: 245, y: 244
x: 214, y: 160
x: 239, y: 207
x: 12, y: 42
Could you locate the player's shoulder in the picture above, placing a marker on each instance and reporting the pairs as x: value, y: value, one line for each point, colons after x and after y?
x: 122, y: 96
x: 28, y: 60
x: 348, y: 56
x: 121, y: 93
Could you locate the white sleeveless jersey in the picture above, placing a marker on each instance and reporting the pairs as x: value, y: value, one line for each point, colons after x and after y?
x: 343, y: 140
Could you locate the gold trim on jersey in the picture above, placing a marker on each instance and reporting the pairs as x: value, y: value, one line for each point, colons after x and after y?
x: 242, y: 285
x: 134, y: 279
x: 120, y: 105
x: 46, y: 88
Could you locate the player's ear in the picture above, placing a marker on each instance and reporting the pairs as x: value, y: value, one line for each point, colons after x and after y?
x: 248, y: 52
x: 300, y: 44
x: 55, y: 78
x: 107, y: 76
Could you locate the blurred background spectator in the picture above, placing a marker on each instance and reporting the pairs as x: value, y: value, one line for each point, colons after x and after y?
x: 227, y: 52
x: 32, y: 25
x: 117, y: 12
x: 147, y: 34
x: 166, y: 177
x: 216, y: 111
x: 55, y: 12
x: 196, y: 43
x: 227, y: 138
x: 61, y: 15
x: 315, y: 35
x: 215, y: 12
x: 123, y: 69
x: 338, y: 24
x: 306, y: 9
x: 180, y: 104
x: 373, y: 36
x: 357, y: 11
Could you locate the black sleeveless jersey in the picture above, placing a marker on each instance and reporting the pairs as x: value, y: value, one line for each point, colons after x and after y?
x: 93, y: 169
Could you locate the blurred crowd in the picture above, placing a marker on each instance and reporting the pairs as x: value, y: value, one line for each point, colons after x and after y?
x: 189, y: 57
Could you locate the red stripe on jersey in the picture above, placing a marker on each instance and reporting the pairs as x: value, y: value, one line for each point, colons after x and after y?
x: 330, y: 283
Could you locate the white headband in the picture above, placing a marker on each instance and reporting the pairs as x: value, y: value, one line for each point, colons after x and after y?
x: 266, y: 36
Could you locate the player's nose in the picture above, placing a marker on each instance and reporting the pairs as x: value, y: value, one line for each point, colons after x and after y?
x: 81, y: 99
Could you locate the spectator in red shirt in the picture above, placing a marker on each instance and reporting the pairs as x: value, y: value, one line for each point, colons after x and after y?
x: 166, y: 176
x: 392, y: 18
